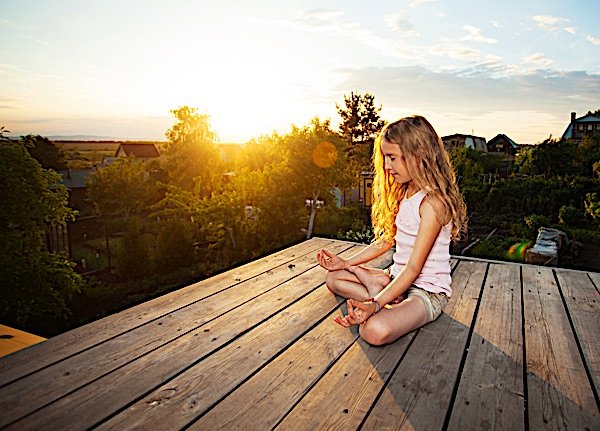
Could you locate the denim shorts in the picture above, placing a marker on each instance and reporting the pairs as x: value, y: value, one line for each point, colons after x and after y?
x: 434, y: 302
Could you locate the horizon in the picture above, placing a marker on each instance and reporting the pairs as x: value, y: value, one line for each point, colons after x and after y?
x: 116, y: 70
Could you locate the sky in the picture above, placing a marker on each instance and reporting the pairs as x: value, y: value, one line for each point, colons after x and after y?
x: 116, y: 69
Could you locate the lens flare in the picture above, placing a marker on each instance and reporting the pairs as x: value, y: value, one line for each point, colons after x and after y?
x: 324, y: 155
x: 517, y: 251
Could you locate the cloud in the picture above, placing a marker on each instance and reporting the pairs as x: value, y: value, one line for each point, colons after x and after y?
x: 476, y: 36
x: 538, y: 60
x: 455, y: 50
x: 470, y: 96
x: 400, y: 23
x: 593, y: 40
x: 332, y: 21
x: 548, y: 22
x: 416, y: 3
x: 571, y: 30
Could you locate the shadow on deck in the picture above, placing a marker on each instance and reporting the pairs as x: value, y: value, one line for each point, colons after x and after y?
x: 255, y: 348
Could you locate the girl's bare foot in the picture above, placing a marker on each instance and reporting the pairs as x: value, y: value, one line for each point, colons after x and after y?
x: 373, y: 280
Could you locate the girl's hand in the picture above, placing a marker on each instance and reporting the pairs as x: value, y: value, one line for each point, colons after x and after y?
x: 358, y: 312
x: 330, y: 261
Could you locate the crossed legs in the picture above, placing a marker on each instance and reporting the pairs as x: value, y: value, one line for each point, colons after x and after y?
x: 392, y: 321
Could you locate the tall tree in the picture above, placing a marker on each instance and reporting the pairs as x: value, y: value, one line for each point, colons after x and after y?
x: 35, y: 284
x: 122, y: 189
x: 192, y: 159
x: 360, y: 125
x: 317, y: 160
x: 44, y: 151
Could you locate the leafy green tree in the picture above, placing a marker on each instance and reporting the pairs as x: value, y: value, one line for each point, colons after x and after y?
x: 45, y: 152
x: 317, y: 162
x: 133, y: 253
x: 123, y: 188
x: 174, y: 248
x: 192, y: 159
x: 360, y: 125
x: 550, y: 158
x: 592, y: 205
x: 36, y: 284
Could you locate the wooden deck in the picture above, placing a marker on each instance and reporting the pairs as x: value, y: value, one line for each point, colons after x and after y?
x: 255, y: 348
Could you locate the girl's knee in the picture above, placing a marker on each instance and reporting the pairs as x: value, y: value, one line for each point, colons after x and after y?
x: 331, y: 281
x: 375, y: 332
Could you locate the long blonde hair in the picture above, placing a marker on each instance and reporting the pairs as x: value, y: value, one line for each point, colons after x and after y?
x: 430, y: 168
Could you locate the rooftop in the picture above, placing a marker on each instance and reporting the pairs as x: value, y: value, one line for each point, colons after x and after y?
x: 256, y: 348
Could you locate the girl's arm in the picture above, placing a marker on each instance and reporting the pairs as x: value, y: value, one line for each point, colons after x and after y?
x: 331, y: 262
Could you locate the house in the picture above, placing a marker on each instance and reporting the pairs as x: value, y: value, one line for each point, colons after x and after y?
x: 579, y: 128
x: 137, y: 150
x: 502, y: 145
x: 460, y: 140
x: 75, y: 182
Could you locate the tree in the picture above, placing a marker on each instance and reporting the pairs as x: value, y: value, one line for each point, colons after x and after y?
x: 192, y: 159
x: 550, y: 158
x: 318, y: 164
x: 36, y: 284
x: 122, y: 188
x: 360, y: 125
x: 45, y: 152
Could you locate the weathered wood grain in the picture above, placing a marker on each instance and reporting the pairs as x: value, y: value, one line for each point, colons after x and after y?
x: 583, y: 302
x: 341, y: 399
x: 491, y: 392
x: 49, y: 384
x: 195, y: 391
x: 559, y: 392
x: 36, y: 357
x: 425, y: 379
x: 595, y: 277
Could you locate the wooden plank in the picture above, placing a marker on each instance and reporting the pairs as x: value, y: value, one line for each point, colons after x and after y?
x: 425, y: 379
x: 595, y: 277
x: 341, y: 399
x: 559, y: 392
x: 192, y: 393
x: 12, y: 340
x: 76, y: 340
x: 49, y: 384
x: 583, y: 303
x: 94, y: 403
x: 491, y: 392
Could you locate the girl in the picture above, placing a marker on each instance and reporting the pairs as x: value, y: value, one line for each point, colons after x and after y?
x: 418, y: 207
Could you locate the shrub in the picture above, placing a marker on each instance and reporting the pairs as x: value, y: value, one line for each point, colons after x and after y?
x: 174, y: 246
x: 133, y: 253
x: 536, y: 221
x: 568, y: 215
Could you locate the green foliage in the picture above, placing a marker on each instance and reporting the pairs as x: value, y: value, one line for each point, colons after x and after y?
x: 536, y: 221
x: 123, y: 188
x: 360, y: 124
x: 133, y: 254
x: 570, y: 216
x: 44, y: 151
x: 364, y: 235
x: 470, y: 164
x: 550, y: 158
x: 174, y: 246
x: 35, y: 283
x: 592, y: 205
x: 191, y: 158
x: 333, y: 220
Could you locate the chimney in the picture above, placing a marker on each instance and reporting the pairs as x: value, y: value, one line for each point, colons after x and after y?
x: 573, y: 115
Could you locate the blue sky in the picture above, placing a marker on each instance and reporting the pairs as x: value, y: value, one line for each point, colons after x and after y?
x: 117, y: 68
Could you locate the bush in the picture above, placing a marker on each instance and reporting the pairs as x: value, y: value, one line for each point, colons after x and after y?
x: 133, y: 253
x: 365, y: 235
x: 568, y: 215
x: 536, y: 221
x: 331, y: 219
x: 174, y: 246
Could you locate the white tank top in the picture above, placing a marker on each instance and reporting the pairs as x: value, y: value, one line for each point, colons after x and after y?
x: 435, y: 275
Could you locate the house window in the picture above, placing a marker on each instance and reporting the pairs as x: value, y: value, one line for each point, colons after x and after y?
x: 581, y: 127
x: 590, y: 127
x: 597, y: 126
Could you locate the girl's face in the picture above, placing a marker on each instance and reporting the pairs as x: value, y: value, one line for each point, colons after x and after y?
x: 395, y: 163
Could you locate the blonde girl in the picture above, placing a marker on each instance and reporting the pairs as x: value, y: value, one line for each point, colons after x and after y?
x: 419, y: 209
